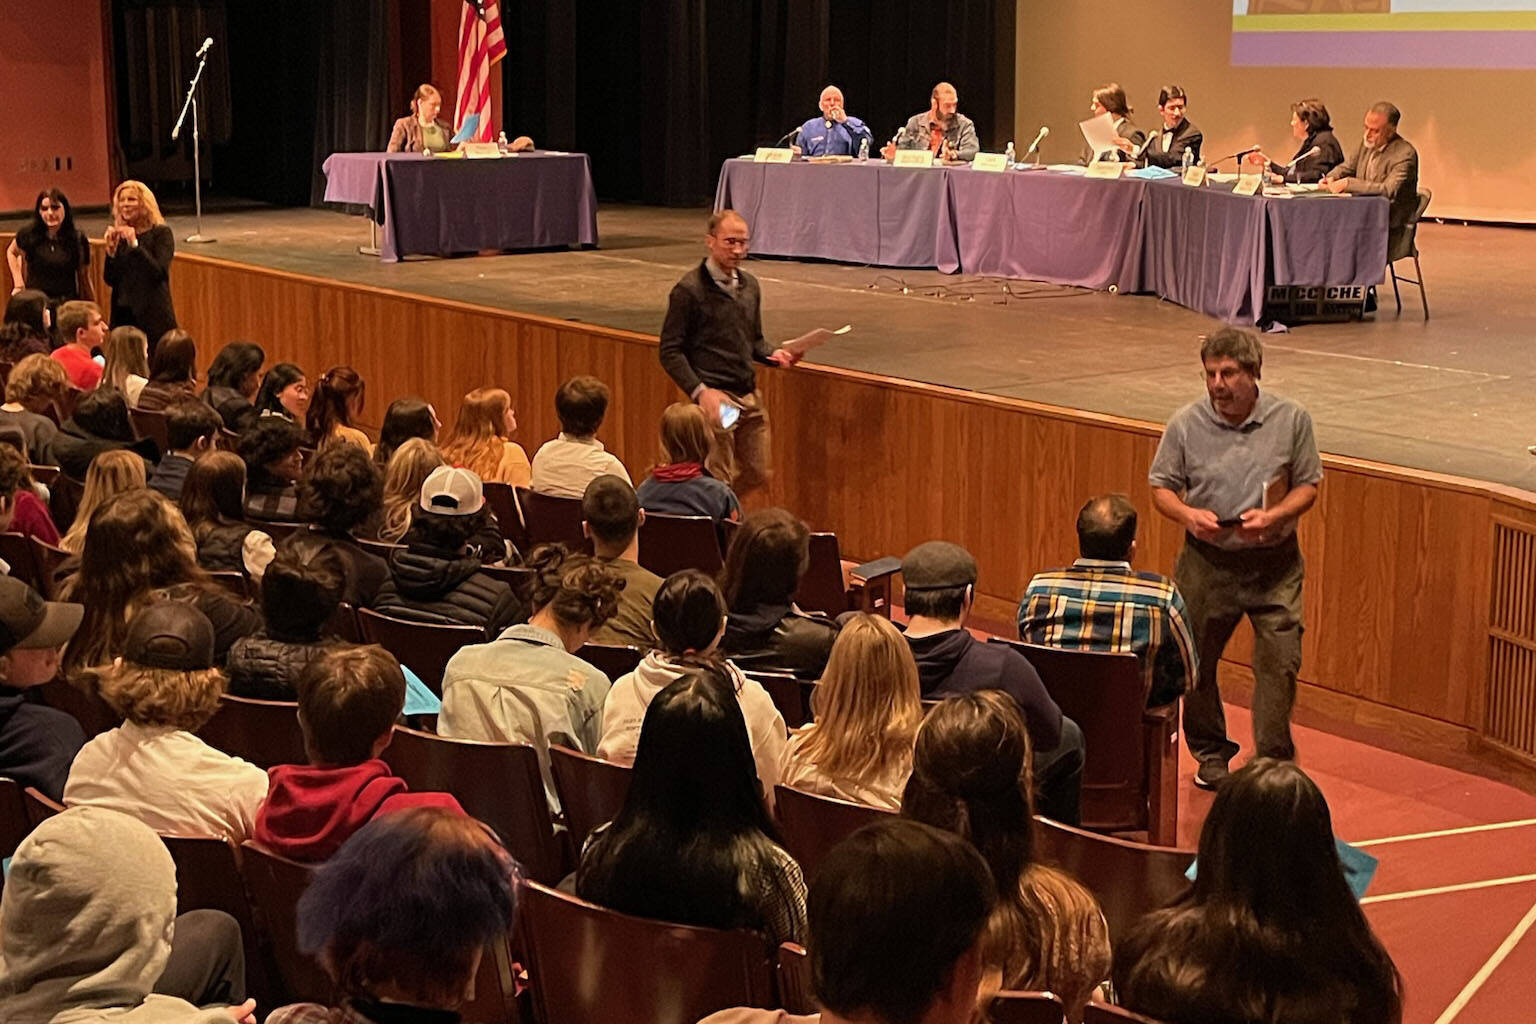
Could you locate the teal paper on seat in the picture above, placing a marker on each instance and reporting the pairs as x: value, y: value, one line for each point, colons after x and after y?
x: 419, y: 700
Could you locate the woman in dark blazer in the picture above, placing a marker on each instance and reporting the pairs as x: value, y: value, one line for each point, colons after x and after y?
x: 1311, y: 127
x: 139, y: 251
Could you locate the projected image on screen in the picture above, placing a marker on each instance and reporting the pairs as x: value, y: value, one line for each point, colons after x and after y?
x: 1384, y: 33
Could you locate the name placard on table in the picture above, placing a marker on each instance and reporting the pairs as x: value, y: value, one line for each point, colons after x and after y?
x: 1194, y: 175
x: 770, y: 155
x: 1247, y: 185
x: 1106, y: 169
x: 990, y: 162
x: 913, y: 158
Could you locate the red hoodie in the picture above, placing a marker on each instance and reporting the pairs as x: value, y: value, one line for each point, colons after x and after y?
x: 310, y: 811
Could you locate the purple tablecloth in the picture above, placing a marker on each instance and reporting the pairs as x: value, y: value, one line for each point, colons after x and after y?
x: 437, y: 206
x: 1204, y: 248
x: 854, y: 213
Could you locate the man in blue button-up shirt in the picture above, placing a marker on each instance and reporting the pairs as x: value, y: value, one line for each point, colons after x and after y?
x: 832, y: 132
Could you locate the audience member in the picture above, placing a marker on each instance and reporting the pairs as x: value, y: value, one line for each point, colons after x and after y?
x: 126, y: 366
x: 406, y: 418
x: 37, y: 743
x: 767, y: 556
x: 213, y: 503
x: 940, y: 587
x: 437, y: 577
x: 694, y: 844
x: 611, y: 519
x: 340, y: 494
x: 50, y: 254
x: 689, y: 619
x: 338, y: 400
x: 481, y: 439
x: 138, y: 550
x: 563, y: 467
x: 152, y: 767
x: 172, y: 372
x: 1099, y: 603
x: 401, y: 917
x: 1270, y: 933
x: 233, y: 380
x: 271, y: 448
x: 33, y: 386
x: 970, y: 776
x: 99, y: 424
x: 81, y: 330
x: 24, y: 331
x: 284, y: 393
x: 527, y: 685
x: 300, y: 591
x: 410, y: 465
x: 868, y: 709
x: 190, y: 429
x: 349, y: 698
x: 89, y: 932
x: 21, y: 511
x: 140, y: 249
x: 111, y: 474
x: 898, y: 917
x: 681, y: 485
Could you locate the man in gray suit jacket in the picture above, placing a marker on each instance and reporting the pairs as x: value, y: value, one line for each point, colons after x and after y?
x: 1385, y: 164
x: 940, y: 129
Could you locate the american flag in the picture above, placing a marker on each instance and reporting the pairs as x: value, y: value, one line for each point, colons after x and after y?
x: 481, y: 45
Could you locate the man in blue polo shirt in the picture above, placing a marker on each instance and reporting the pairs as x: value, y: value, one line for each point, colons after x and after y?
x: 1237, y: 469
x: 832, y: 132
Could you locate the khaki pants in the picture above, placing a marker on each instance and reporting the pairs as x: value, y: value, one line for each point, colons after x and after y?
x: 742, y: 455
x: 1219, y: 588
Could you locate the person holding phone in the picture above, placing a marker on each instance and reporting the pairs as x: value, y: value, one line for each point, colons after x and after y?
x: 712, y: 336
x: 1237, y: 470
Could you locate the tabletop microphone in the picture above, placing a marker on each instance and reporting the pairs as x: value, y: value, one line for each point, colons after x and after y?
x: 1044, y: 131
x: 1235, y: 156
x: 1308, y: 155
x: 207, y: 45
x: 787, y: 136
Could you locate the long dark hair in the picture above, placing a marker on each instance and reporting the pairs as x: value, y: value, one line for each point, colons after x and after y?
x: 331, y: 406
x: 38, y: 230
x: 1270, y: 930
x: 276, y: 380
x: 214, y: 492
x: 768, y: 554
x: 174, y: 360
x: 234, y: 363
x: 693, y: 823
x: 404, y: 419
x: 24, y: 324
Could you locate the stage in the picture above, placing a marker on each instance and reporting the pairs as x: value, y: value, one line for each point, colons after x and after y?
x: 1451, y: 396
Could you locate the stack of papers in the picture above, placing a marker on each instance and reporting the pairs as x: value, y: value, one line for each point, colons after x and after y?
x: 1151, y: 173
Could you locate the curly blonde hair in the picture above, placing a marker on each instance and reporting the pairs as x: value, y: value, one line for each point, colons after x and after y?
x: 36, y: 377
x: 160, y: 696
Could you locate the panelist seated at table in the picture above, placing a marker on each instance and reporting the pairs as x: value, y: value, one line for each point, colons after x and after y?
x: 422, y: 131
x: 1385, y: 164
x: 832, y: 132
x: 941, y: 129
x: 1178, y: 135
x: 1312, y: 129
x: 1110, y: 99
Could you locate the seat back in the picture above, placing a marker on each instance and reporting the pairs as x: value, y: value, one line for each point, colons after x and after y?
x: 796, y: 992
x: 47, y: 559
x: 591, y: 790
x: 791, y: 695
x: 589, y: 965
x: 14, y: 821
x: 233, y: 581
x: 1106, y: 696
x: 612, y: 660
x: 151, y: 423
x: 503, y: 501
x: 822, y: 588
x: 44, y: 475
x: 518, y: 577
x: 813, y: 824
x: 16, y: 550
x: 551, y: 520
x: 669, y: 544
x: 85, y: 706
x: 39, y: 806
x: 499, y: 783
x: 275, y: 884
x: 423, y: 647
x: 343, y: 625
x: 1025, y: 1008
x: 264, y: 732
x: 1129, y: 879
x: 1103, y: 1013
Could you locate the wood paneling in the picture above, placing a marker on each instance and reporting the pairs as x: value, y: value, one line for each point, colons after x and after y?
x: 1400, y: 564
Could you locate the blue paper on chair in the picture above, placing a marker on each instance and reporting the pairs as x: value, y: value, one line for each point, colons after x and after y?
x: 1359, y: 867
x: 467, y: 130
x: 1151, y: 173
x: 419, y: 700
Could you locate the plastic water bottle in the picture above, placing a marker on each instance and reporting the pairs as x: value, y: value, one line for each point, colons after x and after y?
x: 1008, y: 154
x: 1189, y: 158
x: 501, y: 143
x: 864, y: 150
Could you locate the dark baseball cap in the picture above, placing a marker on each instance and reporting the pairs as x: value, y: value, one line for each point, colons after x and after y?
x: 170, y: 635
x: 938, y: 565
x: 28, y: 622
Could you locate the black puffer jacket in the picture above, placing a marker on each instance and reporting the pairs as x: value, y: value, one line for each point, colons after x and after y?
x: 268, y: 669
x: 429, y: 585
x: 233, y: 408
x: 222, y: 548
x: 779, y: 638
x: 75, y: 445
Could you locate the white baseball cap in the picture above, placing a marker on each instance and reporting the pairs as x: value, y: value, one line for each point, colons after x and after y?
x: 451, y: 491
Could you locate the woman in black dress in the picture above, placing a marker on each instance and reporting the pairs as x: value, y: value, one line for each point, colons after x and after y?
x: 51, y: 254
x: 139, y: 251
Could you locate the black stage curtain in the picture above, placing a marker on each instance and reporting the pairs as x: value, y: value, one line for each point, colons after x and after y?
x: 352, y: 108
x: 660, y: 93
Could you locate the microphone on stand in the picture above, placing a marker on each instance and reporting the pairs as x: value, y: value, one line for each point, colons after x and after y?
x: 207, y: 45
x: 1235, y: 156
x: 786, y: 137
x: 1308, y: 155
x: 1033, y: 146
